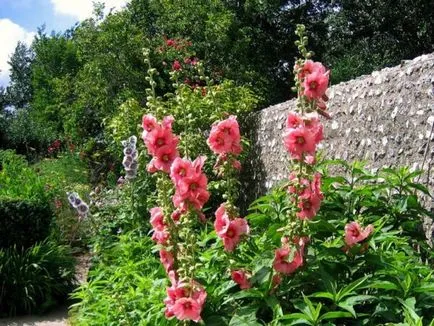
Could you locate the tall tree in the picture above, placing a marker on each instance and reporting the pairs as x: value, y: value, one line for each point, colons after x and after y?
x: 19, y: 91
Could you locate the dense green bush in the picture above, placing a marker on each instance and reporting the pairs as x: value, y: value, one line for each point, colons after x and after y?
x: 126, y: 286
x: 34, y: 279
x: 23, y: 223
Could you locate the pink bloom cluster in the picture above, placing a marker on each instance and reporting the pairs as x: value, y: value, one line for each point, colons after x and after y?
x: 190, y: 185
x: 225, y: 140
x: 184, y: 300
x: 308, y: 193
x: 355, y: 234
x: 229, y: 229
x: 302, y: 136
x: 240, y: 277
x: 282, y: 264
x: 160, y: 142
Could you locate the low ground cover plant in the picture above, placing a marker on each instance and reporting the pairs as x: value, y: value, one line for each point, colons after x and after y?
x: 319, y: 249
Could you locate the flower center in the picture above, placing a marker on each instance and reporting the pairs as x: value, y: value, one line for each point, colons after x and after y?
x: 300, y: 140
x: 160, y: 141
x: 313, y: 84
x: 230, y: 233
x: 187, y: 305
x: 165, y: 158
x: 193, y: 186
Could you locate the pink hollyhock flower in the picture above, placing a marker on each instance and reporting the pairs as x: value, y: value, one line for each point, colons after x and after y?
x: 219, y: 142
x: 294, y: 120
x: 232, y: 236
x: 180, y: 169
x: 167, y: 260
x: 149, y: 123
x: 176, y: 215
x: 310, y: 67
x: 316, y: 185
x: 185, y: 301
x: 309, y: 205
x: 281, y: 263
x: 315, y: 84
x: 199, y: 199
x: 167, y: 122
x: 225, y: 137
x: 240, y: 277
x: 157, y: 218
x: 299, y: 142
x: 160, y: 237
x: 198, y: 163
x: 158, y: 138
x: 176, y: 65
x: 190, y: 186
x: 222, y: 220
x: 151, y: 167
x: 164, y: 158
x: 187, y: 309
x: 316, y: 127
x: 355, y: 234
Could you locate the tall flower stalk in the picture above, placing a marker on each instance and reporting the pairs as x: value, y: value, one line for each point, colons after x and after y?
x: 303, y: 133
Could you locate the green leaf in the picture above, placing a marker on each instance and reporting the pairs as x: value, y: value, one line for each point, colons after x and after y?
x: 326, y: 295
x: 336, y: 314
x: 386, y: 285
x: 245, y: 317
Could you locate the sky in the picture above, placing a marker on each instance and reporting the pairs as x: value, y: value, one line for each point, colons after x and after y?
x: 20, y: 19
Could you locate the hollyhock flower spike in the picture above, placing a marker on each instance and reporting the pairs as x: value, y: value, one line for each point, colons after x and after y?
x: 355, y: 234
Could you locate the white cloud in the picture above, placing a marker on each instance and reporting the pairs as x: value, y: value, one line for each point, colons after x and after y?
x: 10, y: 34
x: 82, y: 9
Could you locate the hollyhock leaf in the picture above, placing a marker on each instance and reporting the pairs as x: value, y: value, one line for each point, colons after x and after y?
x: 261, y: 275
x: 245, y: 316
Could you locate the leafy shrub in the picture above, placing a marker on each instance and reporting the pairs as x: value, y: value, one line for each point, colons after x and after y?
x: 18, y: 180
x: 23, y: 223
x: 34, y: 279
x: 389, y: 279
x: 126, y: 286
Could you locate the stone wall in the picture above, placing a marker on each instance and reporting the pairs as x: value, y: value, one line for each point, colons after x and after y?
x: 385, y: 118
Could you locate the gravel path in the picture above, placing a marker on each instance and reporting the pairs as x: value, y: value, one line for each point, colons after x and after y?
x: 57, y: 317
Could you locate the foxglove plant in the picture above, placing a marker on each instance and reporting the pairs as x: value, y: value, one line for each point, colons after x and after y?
x: 78, y: 204
x: 129, y: 161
